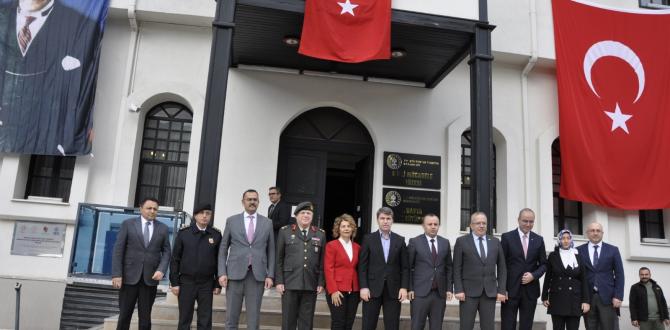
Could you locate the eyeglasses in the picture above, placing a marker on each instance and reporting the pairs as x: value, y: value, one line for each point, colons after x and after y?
x: 273, y: 193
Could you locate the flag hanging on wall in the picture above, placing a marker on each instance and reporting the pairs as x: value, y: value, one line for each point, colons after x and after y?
x: 347, y: 30
x: 49, y: 53
x: 613, y: 77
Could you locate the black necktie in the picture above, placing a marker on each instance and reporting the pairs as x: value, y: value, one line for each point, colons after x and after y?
x: 482, y: 252
x: 434, y: 252
x: 304, y: 233
x: 595, y: 255
x: 272, y: 208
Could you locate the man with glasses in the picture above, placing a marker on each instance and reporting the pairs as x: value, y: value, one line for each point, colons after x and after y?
x: 278, y: 211
x: 246, y: 261
x: 526, y: 260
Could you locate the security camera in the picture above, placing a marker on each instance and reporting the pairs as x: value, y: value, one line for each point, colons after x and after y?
x: 134, y: 107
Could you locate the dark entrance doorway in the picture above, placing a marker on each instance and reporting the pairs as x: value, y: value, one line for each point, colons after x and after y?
x: 326, y: 157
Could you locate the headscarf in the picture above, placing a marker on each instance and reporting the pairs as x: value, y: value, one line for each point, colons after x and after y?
x: 569, y: 255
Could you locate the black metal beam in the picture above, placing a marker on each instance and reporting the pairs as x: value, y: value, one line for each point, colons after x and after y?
x: 481, y: 122
x: 215, y: 103
x: 397, y: 15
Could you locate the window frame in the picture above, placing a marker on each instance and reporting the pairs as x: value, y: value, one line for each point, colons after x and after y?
x: 165, y: 163
x: 563, y: 204
x: 54, y: 180
x: 466, y: 188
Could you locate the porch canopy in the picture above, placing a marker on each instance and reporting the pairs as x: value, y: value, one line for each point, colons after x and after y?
x: 432, y: 45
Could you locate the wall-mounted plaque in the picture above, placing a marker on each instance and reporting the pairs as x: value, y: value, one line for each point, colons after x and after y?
x: 410, y: 170
x: 409, y: 205
x: 38, y: 239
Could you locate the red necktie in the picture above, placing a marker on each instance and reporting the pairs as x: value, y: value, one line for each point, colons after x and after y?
x: 24, y: 34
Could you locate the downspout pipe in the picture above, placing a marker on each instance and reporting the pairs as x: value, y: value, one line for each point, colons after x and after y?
x: 532, y: 61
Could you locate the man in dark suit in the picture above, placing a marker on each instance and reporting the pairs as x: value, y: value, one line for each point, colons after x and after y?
x: 48, y: 69
x: 383, y: 273
x: 526, y: 261
x: 246, y: 262
x: 480, y: 274
x: 300, y: 268
x: 430, y: 275
x: 279, y: 211
x: 193, y: 268
x: 604, y: 274
x: 140, y: 259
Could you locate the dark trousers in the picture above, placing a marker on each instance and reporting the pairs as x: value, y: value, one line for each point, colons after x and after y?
x: 142, y: 294
x: 297, y: 308
x: 565, y: 322
x: 468, y: 309
x: 342, y: 317
x: 601, y: 316
x: 432, y: 307
x: 391, y: 307
x: 521, y: 305
x: 189, y: 293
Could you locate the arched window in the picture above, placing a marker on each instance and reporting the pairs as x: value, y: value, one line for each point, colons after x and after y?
x: 567, y: 213
x: 466, y: 182
x: 165, y: 145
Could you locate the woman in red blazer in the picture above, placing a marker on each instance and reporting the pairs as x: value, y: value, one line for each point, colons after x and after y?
x: 341, y: 275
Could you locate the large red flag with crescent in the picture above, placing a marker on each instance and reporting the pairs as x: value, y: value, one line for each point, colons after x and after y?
x: 347, y: 30
x: 613, y: 75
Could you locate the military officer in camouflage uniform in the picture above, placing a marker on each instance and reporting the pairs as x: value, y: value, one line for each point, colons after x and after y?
x: 299, y: 271
x: 193, y: 268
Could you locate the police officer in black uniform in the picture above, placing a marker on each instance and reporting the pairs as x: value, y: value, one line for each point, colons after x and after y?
x: 193, y: 268
x: 299, y: 271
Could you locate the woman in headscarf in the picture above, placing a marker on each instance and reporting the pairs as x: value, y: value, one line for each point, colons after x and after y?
x: 565, y: 291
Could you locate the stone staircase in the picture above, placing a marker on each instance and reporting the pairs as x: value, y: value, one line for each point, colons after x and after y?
x: 165, y: 315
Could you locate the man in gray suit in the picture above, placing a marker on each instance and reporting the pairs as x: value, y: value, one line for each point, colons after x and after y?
x: 246, y: 261
x: 430, y: 275
x: 141, y: 258
x: 480, y: 274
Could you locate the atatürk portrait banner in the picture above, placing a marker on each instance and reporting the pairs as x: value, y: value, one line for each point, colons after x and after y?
x: 49, y: 54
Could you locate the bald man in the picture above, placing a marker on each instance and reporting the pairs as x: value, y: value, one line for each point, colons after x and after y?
x: 604, y: 274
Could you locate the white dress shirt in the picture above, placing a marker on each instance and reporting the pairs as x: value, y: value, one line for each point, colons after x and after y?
x: 247, y: 221
x: 428, y: 238
x: 151, y: 227
x: 348, y: 248
x: 592, y: 250
x: 34, y: 27
x: 486, y: 246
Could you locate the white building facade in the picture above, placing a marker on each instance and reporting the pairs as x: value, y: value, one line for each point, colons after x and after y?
x: 157, y: 51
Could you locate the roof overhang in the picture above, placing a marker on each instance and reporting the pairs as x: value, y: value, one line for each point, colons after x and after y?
x: 433, y: 44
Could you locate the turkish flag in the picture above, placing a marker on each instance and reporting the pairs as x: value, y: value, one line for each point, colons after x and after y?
x: 347, y: 30
x: 613, y: 76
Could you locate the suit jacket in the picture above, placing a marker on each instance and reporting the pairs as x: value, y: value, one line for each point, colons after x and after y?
x: 565, y: 288
x: 235, y: 249
x: 47, y: 95
x: 517, y: 264
x: 340, y: 272
x: 607, y: 275
x: 280, y: 216
x: 132, y: 260
x: 373, y: 270
x: 474, y: 276
x: 300, y: 258
x: 422, y: 269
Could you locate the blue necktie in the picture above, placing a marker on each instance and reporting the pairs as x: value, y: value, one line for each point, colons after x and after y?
x: 147, y: 236
x: 595, y: 255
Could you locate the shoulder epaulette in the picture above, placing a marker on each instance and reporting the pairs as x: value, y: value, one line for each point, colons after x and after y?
x: 284, y: 227
x: 217, y: 229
